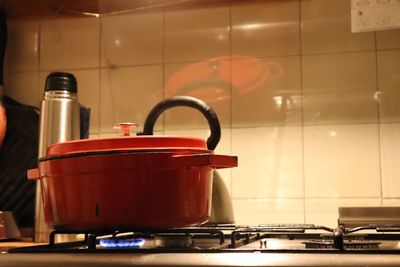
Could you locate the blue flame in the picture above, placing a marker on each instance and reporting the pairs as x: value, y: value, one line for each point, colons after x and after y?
x: 122, y: 243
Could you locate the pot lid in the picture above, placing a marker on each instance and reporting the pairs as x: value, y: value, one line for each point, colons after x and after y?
x: 127, y: 143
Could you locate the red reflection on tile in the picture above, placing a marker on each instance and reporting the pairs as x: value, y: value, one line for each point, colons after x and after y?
x: 212, y: 79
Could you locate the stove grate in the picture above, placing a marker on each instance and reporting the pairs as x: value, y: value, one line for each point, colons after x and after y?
x: 231, y: 238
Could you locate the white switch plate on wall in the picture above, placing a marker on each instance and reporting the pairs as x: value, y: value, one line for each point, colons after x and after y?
x: 374, y: 15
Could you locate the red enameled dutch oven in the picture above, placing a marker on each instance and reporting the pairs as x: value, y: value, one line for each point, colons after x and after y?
x: 131, y: 182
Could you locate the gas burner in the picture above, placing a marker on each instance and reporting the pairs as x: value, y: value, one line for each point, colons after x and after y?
x: 347, y: 244
x: 173, y: 241
x: 106, y: 243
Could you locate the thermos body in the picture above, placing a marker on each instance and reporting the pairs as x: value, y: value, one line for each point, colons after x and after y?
x: 59, y: 119
x: 59, y: 122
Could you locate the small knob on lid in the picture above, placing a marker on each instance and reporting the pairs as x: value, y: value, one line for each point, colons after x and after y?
x: 125, y: 127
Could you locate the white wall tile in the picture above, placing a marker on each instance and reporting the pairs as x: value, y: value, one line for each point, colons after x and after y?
x: 69, y: 44
x: 93, y: 136
x: 340, y: 88
x: 23, y: 87
x: 270, y: 162
x: 390, y: 159
x: 197, y: 34
x: 326, y: 28
x: 388, y: 39
x: 22, y: 45
x: 264, y: 29
x: 325, y: 211
x: 128, y: 94
x: 207, y: 80
x: 88, y: 93
x: 268, y: 211
x: 391, y: 202
x: 133, y: 39
x: 342, y: 161
x: 266, y: 92
x: 389, y: 82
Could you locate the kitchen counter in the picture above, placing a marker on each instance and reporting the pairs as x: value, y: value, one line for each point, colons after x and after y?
x: 198, y: 259
x: 24, y: 242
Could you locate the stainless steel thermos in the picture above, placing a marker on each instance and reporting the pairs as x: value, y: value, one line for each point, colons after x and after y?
x: 59, y: 122
x: 59, y: 111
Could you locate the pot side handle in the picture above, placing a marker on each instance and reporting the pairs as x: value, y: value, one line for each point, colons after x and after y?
x: 205, y: 160
x: 33, y: 174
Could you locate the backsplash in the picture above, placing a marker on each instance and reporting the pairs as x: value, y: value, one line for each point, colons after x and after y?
x: 311, y: 109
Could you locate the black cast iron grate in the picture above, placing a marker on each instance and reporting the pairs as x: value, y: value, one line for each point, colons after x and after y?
x: 231, y: 238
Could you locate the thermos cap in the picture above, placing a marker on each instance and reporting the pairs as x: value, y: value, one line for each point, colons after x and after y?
x: 64, y: 81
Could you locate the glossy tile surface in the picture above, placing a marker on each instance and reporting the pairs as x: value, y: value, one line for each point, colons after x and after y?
x: 326, y: 211
x: 388, y: 39
x: 128, y: 94
x: 391, y: 202
x: 271, y: 162
x: 88, y: 93
x: 389, y: 82
x: 340, y: 88
x: 342, y: 161
x: 269, y: 28
x: 390, y: 159
x: 268, y: 211
x: 69, y: 43
x: 206, y: 80
x: 197, y: 34
x: 266, y: 92
x: 326, y: 28
x: 22, y: 87
x: 312, y: 132
x: 22, y: 46
x: 133, y: 39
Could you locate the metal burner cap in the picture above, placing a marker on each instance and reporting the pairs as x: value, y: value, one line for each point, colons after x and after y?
x: 173, y: 241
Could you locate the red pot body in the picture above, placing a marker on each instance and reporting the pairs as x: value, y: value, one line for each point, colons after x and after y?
x: 128, y: 189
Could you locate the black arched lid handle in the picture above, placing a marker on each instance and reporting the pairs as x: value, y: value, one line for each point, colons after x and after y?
x: 186, y: 101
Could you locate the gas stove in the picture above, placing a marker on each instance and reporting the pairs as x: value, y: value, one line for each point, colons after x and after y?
x: 362, y: 237
x: 222, y: 245
x: 267, y: 238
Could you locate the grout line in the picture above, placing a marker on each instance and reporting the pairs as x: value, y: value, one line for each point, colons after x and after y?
x: 267, y: 198
x: 164, y: 82
x: 291, y: 55
x: 70, y: 69
x: 39, y: 45
x: 310, y: 125
x: 338, y: 52
x: 388, y: 49
x: 100, y: 89
x: 310, y: 198
x: 302, y: 112
x: 340, y: 123
x: 22, y: 71
x: 378, y: 108
x: 224, y: 127
x: 230, y: 92
x: 196, y: 61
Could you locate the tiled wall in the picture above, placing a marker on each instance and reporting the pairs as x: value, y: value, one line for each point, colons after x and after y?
x: 311, y: 109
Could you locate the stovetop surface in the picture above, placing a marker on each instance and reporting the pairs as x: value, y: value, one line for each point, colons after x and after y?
x: 284, y: 238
